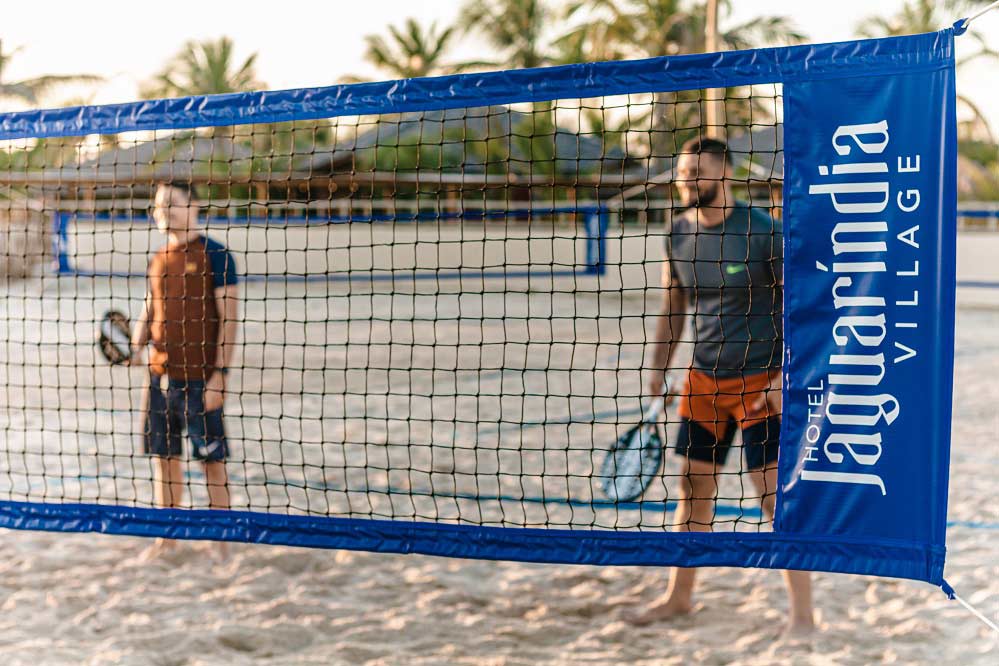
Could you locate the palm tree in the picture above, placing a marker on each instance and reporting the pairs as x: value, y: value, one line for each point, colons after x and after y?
x: 616, y: 29
x: 203, y: 68
x: 30, y: 90
x: 918, y: 16
x: 514, y: 28
x: 410, y: 51
x: 413, y: 51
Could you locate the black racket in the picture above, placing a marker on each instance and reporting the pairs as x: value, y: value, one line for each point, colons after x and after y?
x: 114, y: 338
x: 634, y: 459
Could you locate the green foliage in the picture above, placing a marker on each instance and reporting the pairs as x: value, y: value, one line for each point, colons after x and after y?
x: 917, y: 16
x: 533, y: 140
x: 411, y: 50
x: 978, y: 142
x: 204, y: 68
x: 983, y: 152
x: 614, y: 29
x: 46, y: 153
x: 515, y: 29
x: 982, y: 174
x: 280, y: 148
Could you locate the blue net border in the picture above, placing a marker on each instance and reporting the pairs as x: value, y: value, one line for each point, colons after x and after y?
x: 929, y: 51
x: 897, y: 559
x: 914, y: 560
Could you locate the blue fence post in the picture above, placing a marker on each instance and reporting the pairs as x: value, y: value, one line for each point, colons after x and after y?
x: 604, y: 220
x: 60, y: 242
x: 596, y: 242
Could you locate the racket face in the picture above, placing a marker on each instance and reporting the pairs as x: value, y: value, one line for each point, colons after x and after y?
x: 632, y: 463
x: 114, y: 338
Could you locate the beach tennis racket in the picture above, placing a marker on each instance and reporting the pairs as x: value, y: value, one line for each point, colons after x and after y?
x: 634, y: 459
x: 114, y: 338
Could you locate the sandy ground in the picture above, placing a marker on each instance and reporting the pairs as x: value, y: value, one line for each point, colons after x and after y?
x: 88, y: 599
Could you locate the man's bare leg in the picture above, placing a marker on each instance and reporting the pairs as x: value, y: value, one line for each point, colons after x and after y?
x: 168, y: 482
x: 694, y: 513
x: 168, y: 491
x: 218, y: 485
x: 801, y: 618
x: 217, y: 479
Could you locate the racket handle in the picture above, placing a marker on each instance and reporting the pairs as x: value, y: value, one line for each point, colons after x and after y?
x: 653, y: 411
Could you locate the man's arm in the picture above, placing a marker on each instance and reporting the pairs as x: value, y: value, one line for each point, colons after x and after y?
x: 140, y: 330
x: 668, y: 330
x: 775, y: 396
x: 227, y: 304
x: 772, y: 398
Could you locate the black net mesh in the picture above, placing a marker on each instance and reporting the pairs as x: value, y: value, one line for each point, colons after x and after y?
x: 446, y: 316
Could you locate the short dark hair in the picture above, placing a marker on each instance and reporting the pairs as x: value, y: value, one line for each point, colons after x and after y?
x: 702, y: 145
x: 184, y: 186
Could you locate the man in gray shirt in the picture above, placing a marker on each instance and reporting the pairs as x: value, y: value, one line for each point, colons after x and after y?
x: 724, y: 268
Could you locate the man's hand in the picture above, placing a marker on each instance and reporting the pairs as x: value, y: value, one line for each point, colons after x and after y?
x: 657, y: 387
x: 772, y: 398
x: 215, y: 391
x: 135, y: 357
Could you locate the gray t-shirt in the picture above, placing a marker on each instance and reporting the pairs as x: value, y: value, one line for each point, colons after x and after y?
x: 732, y: 275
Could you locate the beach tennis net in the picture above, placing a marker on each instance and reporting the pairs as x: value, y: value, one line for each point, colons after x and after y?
x: 442, y: 315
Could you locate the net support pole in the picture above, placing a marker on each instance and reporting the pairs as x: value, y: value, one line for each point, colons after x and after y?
x: 60, y: 241
x: 596, y: 242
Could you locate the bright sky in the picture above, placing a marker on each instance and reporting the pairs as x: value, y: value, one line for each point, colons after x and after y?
x: 315, y: 42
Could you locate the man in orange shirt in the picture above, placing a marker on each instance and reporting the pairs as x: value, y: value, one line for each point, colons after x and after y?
x: 190, y: 318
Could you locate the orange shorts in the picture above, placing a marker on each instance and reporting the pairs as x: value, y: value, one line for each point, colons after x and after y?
x: 712, y: 402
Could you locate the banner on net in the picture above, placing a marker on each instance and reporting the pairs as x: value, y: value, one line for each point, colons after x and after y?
x: 869, y: 247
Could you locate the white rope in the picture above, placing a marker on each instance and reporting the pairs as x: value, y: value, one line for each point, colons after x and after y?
x: 968, y: 21
x: 974, y: 611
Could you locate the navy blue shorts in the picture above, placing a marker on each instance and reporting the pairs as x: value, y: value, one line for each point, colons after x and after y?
x: 759, y: 443
x: 180, y: 406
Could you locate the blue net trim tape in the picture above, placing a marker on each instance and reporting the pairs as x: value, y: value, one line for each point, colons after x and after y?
x: 673, y: 73
x: 598, y: 547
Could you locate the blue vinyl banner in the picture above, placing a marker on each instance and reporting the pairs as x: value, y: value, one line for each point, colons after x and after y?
x: 869, y: 235
x: 869, y: 316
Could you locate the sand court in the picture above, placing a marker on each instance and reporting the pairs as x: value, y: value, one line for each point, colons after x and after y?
x: 461, y: 399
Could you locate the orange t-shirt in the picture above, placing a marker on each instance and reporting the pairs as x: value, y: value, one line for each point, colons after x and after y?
x: 184, y: 319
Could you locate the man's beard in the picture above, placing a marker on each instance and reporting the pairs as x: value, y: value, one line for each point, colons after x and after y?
x: 703, y: 196
x: 707, y: 195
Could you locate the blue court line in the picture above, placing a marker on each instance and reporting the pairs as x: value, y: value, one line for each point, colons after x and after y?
x: 398, y: 276
x: 596, y: 221
x: 721, y: 508
x: 318, y: 220
x: 595, y: 417
x: 403, y: 276
x: 62, y: 221
x: 978, y: 284
x: 650, y: 506
x: 973, y: 524
x: 978, y: 213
